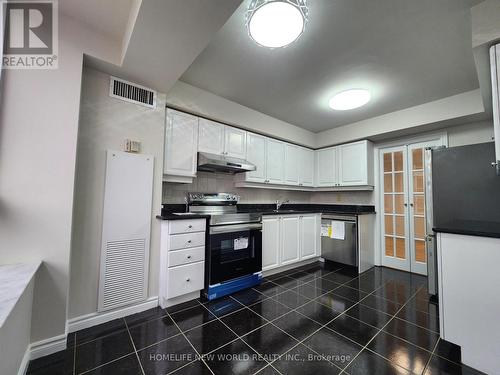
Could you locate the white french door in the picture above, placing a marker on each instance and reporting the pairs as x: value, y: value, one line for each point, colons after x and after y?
x: 403, y: 201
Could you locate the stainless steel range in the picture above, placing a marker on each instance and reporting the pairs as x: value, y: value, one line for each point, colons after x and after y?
x: 234, y: 251
x: 221, y: 207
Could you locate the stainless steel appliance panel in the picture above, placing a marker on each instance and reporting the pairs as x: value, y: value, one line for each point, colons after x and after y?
x: 341, y: 251
x: 429, y: 222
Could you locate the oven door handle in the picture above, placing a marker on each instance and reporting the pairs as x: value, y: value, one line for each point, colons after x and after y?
x: 235, y: 228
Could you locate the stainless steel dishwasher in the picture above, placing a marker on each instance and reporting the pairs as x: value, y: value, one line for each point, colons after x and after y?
x: 343, y: 251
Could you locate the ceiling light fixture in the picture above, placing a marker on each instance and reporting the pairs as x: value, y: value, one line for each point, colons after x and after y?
x: 350, y: 99
x: 276, y: 23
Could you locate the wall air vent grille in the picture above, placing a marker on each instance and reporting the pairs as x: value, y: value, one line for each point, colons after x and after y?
x: 124, y: 281
x: 132, y: 93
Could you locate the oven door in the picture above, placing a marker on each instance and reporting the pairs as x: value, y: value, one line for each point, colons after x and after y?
x: 235, y: 251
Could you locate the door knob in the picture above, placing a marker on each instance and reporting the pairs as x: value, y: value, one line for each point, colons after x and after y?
x: 188, y: 279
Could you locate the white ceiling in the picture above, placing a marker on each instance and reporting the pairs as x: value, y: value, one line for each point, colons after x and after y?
x: 109, y: 17
x: 406, y: 52
x: 167, y: 36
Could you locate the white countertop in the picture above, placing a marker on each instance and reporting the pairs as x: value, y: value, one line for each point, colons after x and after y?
x: 14, y: 278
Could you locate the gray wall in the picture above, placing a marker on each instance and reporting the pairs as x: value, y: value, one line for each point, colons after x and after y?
x: 38, y: 135
x: 105, y: 123
x: 468, y: 134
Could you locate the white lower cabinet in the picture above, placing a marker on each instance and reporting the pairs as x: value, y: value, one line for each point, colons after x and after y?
x: 185, y: 279
x: 182, y: 260
x: 288, y: 239
x: 270, y: 242
x: 310, y: 236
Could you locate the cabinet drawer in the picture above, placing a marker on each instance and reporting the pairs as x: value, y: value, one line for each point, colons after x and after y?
x: 183, y: 241
x: 179, y: 257
x: 187, y: 226
x: 185, y: 279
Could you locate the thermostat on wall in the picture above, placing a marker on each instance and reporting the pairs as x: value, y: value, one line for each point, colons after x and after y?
x: 132, y: 146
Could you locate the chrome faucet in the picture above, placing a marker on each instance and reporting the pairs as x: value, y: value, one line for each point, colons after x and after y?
x: 279, y: 204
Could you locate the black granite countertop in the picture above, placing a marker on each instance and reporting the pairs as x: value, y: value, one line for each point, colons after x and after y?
x: 269, y: 209
x: 173, y: 216
x: 471, y: 228
x: 168, y: 210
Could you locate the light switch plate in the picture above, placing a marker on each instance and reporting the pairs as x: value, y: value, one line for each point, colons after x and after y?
x: 132, y: 146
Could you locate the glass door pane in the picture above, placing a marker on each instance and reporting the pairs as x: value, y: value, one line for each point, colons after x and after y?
x: 393, y: 167
x: 417, y: 214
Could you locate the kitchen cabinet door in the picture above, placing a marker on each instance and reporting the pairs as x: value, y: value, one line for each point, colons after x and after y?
x: 292, y: 164
x: 353, y: 164
x: 275, y: 161
x: 235, y: 142
x: 181, y: 144
x: 309, y: 236
x: 256, y: 154
x: 290, y: 239
x: 327, y: 167
x: 210, y: 137
x: 270, y: 243
x: 306, y: 167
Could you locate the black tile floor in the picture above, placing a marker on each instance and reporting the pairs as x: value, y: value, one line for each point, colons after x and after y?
x: 315, y: 319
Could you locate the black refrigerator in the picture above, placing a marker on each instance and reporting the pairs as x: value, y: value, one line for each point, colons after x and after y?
x: 461, y: 186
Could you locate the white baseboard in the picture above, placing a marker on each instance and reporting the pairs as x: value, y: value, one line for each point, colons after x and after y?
x: 23, y: 367
x: 93, y: 319
x: 46, y: 347
x: 164, y: 303
x: 290, y: 266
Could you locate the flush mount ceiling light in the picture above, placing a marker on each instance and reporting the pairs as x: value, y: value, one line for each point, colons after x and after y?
x: 276, y: 23
x: 350, y: 99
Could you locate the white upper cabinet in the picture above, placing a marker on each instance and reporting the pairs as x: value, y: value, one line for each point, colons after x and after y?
x: 306, y: 167
x: 256, y: 154
x: 235, y: 144
x: 326, y: 166
x: 211, y: 137
x: 220, y: 139
x: 275, y: 161
x: 292, y: 164
x: 345, y: 165
x: 181, y: 144
x: 355, y: 164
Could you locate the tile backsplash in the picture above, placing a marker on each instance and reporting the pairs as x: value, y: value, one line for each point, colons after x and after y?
x: 210, y: 182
